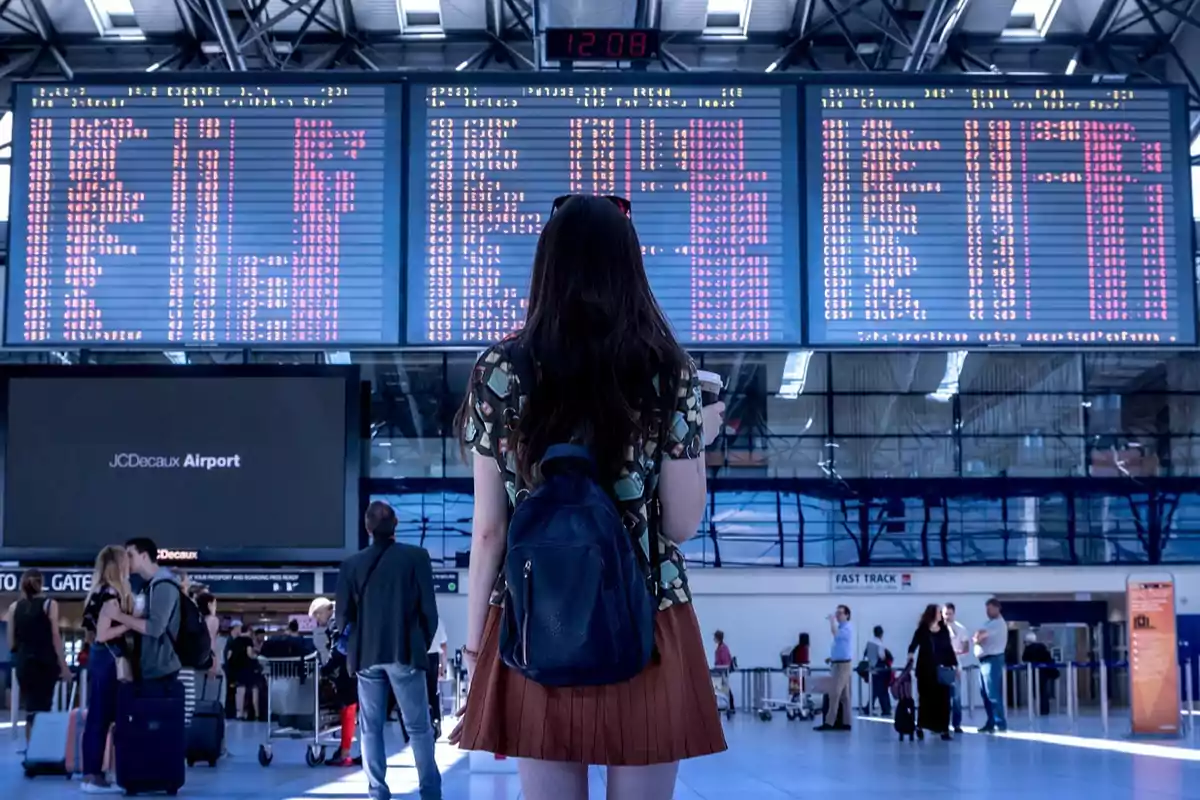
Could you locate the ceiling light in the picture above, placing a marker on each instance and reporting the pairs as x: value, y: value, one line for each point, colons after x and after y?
x: 727, y: 18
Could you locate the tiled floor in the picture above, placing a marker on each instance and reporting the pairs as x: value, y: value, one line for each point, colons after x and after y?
x: 778, y: 760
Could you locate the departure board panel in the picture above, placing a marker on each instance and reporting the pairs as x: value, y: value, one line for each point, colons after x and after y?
x: 181, y: 215
x: 711, y: 171
x: 998, y: 215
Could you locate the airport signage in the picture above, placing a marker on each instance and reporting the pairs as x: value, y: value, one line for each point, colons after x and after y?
x: 1153, y: 657
x: 871, y: 581
x: 444, y: 582
x: 265, y: 582
x: 56, y: 581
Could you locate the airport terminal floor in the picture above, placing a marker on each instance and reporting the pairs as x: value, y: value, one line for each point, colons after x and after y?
x: 777, y: 760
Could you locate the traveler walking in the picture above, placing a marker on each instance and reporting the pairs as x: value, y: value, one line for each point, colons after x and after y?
x: 596, y: 380
x: 879, y: 672
x: 108, y: 663
x: 385, y: 594
x: 837, y: 718
x: 960, y: 639
x: 36, y: 645
x: 991, y: 641
x: 240, y: 661
x: 937, y: 669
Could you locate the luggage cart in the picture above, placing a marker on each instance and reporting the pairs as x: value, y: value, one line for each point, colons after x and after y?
x: 799, y: 703
x: 756, y: 685
x: 721, y: 688
x: 327, y: 727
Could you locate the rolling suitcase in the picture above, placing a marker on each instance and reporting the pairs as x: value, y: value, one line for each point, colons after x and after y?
x: 150, y: 738
x: 53, y: 737
x: 906, y: 719
x: 206, y: 733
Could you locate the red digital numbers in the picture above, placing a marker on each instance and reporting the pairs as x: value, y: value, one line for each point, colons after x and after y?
x: 600, y: 43
x: 637, y: 44
x: 586, y: 44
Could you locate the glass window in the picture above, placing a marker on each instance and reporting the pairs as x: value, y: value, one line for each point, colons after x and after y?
x: 984, y: 415
x: 1030, y: 455
x: 893, y: 457
x: 883, y: 415
x: 900, y: 373
x: 988, y: 373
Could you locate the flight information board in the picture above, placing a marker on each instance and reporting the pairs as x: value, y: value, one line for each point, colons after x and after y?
x: 993, y: 215
x: 711, y: 172
x: 204, y: 214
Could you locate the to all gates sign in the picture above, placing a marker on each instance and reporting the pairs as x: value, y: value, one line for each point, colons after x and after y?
x: 870, y: 581
x: 57, y: 581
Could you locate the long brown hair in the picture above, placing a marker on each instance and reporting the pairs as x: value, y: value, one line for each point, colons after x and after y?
x: 931, y: 613
x: 608, y: 365
x: 31, y: 583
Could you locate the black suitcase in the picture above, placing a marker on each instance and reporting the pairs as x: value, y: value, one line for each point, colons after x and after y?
x: 206, y: 734
x: 149, y: 737
x: 906, y: 718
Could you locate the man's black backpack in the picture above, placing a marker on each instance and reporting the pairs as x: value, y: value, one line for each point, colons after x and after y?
x: 578, y: 610
x: 193, y: 645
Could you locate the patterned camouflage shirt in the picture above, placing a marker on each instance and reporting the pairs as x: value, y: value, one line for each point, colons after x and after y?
x: 497, y: 398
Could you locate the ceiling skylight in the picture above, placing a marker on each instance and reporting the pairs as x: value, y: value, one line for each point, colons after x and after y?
x: 727, y: 18
x: 420, y: 16
x: 115, y: 18
x: 1031, y: 17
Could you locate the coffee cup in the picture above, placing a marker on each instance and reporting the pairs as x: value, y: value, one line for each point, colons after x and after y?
x: 711, y: 385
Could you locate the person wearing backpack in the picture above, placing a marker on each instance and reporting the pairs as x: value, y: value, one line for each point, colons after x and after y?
x: 588, y: 432
x: 149, y: 740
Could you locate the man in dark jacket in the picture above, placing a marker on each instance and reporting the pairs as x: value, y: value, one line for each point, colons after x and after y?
x: 1039, y: 655
x: 385, y: 596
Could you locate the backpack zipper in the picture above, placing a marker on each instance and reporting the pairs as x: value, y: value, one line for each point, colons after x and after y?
x: 525, y: 617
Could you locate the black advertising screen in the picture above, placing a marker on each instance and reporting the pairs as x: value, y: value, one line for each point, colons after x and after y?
x: 710, y: 170
x: 998, y: 215
x: 159, y: 214
x: 215, y: 464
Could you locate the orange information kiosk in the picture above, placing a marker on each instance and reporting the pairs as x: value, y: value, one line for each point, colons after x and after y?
x: 1153, y: 656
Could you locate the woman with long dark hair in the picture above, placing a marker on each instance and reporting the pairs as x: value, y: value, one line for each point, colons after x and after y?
x: 37, y: 646
x: 596, y: 364
x: 937, y: 668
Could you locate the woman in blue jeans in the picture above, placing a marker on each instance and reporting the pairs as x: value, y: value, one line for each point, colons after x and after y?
x: 110, y: 593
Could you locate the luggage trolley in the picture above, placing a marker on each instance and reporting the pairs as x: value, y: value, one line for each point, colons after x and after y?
x: 327, y: 727
x: 799, y: 703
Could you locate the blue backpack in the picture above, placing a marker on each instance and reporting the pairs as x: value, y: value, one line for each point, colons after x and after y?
x: 578, y: 610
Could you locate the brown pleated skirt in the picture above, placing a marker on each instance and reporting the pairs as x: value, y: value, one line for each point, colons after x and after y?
x: 667, y: 713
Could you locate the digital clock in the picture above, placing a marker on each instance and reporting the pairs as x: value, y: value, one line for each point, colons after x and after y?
x: 601, y: 44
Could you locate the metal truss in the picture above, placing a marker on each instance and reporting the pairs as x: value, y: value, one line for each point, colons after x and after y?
x: 824, y: 35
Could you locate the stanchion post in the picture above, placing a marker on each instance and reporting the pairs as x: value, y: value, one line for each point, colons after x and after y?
x: 1188, y: 689
x: 1029, y: 690
x: 1104, y: 695
x: 1195, y: 665
x: 16, y: 701
x: 1005, y: 694
x: 1072, y: 690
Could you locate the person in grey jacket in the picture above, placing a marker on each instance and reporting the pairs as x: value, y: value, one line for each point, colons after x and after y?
x: 159, y: 625
x: 385, y: 596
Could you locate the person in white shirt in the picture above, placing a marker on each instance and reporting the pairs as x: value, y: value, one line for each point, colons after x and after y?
x: 438, y: 669
x: 961, y: 640
x: 990, y: 643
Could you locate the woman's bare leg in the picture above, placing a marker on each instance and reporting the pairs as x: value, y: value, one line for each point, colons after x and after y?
x: 655, y: 782
x: 553, y: 780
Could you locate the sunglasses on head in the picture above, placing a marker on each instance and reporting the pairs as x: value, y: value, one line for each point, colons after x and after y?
x: 620, y: 202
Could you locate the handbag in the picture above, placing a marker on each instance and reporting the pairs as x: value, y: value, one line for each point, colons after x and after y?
x: 947, y: 676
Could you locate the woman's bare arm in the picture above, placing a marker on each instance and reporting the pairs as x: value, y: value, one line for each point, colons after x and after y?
x: 489, y: 537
